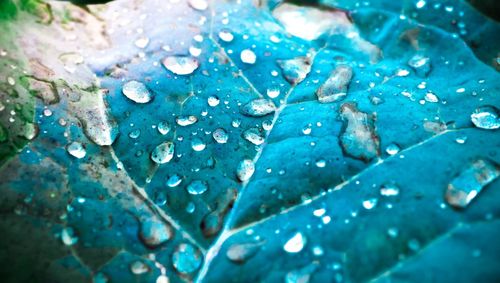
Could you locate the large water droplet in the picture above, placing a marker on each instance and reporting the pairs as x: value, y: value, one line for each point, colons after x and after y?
x: 258, y: 107
x: 181, y: 65
x: 335, y: 87
x: 248, y: 56
x: 470, y: 182
x: 486, y: 117
x: 296, y: 243
x: 154, y: 232
x: 295, y: 70
x: 245, y: 170
x: 163, y: 128
x: 359, y: 138
x: 220, y: 135
x: 186, y: 258
x: 76, y: 149
x: 186, y: 120
x: 197, y: 187
x: 137, y: 92
x: 163, y: 153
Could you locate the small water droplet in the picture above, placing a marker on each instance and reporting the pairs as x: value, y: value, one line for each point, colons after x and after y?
x: 186, y: 258
x: 461, y: 139
x: 273, y: 92
x: 181, y: 65
x: 162, y: 279
x: 134, y: 134
x: 248, y: 56
x: 258, y: 107
x: 76, y: 149
x: 163, y: 128
x: 68, y: 236
x: 141, y: 42
x: 240, y: 253
x: 296, y: 243
x: 486, y: 117
x: 154, y: 232
x: 137, y: 92
x: 220, y: 135
x: 213, y: 101
x: 254, y: 136
x: 370, y: 203
x: 245, y: 170
x: 421, y: 64
x: 431, y: 97
x: 321, y: 163
x: 200, y: 5
x: 197, y: 187
x: 186, y: 120
x: 389, y: 190
x: 138, y: 267
x: 174, y: 181
x: 226, y: 36
x: 392, y: 149
x: 163, y: 153
x: 197, y: 144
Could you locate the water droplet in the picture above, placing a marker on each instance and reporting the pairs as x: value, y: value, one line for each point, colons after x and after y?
x: 68, y: 236
x: 186, y: 120
x: 392, y: 232
x: 370, y: 203
x: 321, y: 163
x: 141, y: 42
x: 162, y: 279
x: 76, y: 149
x: 240, y: 253
x: 486, y: 117
x: 213, y: 101
x: 461, y: 139
x: 197, y: 144
x: 296, y: 243
x: 197, y: 187
x: 245, y: 170
x: 163, y: 153
x: 137, y: 92
x: 392, y: 149
x: 181, y: 65
x: 470, y: 182
x: 186, y: 258
x: 100, y: 278
x: 258, y: 107
x: 302, y: 275
x: 359, y: 138
x: 421, y: 64
x: 138, y: 267
x: 174, y: 180
x: 163, y: 128
x: 154, y: 232
x: 431, y: 97
x: 295, y: 70
x: 335, y: 87
x: 134, y: 134
x: 273, y: 92
x: 220, y: 135
x: 200, y: 5
x: 254, y: 136
x: 248, y: 56
x: 226, y: 36
x: 389, y: 190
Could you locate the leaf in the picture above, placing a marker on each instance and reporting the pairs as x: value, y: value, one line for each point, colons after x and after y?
x: 252, y: 141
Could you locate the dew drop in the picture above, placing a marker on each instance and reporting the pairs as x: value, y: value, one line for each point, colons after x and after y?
x: 295, y: 70
x: 389, y: 190
x: 273, y: 92
x: 220, y: 135
x: 240, y: 253
x: 76, y: 150
x: 226, y: 36
x: 370, y: 203
x: 335, y: 87
x: 68, y: 236
x: 163, y: 153
x: 296, y: 243
x: 154, y: 232
x: 486, y: 117
x: 163, y: 128
x: 186, y: 258
x: 258, y: 107
x: 213, y: 101
x: 392, y: 149
x: 137, y: 92
x: 186, y: 120
x: 174, y: 181
x: 421, y: 64
x: 247, y: 56
x: 197, y: 144
x: 245, y: 170
x: 134, y: 134
x: 138, y: 267
x: 197, y: 187
x: 254, y: 136
x: 200, y: 5
x: 181, y: 65
x: 321, y: 163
